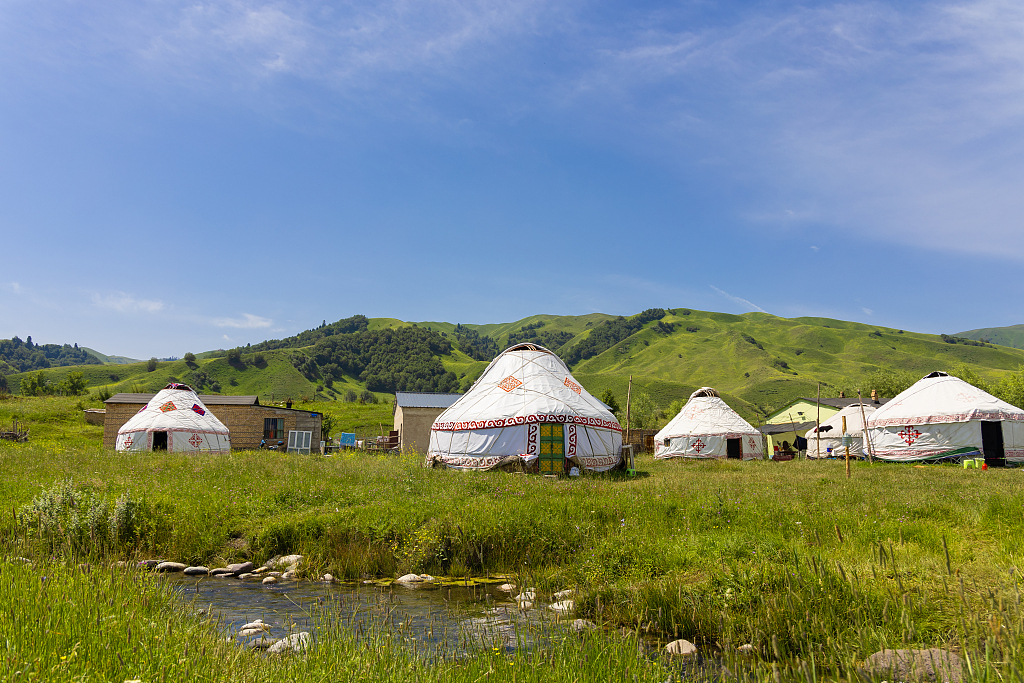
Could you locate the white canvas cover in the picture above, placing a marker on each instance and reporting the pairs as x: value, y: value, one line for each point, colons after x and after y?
x: 176, y: 410
x: 500, y: 416
x: 940, y: 416
x: 831, y: 431
x: 703, y: 428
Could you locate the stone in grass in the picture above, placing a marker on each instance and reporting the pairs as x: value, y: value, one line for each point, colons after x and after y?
x: 257, y: 624
x: 563, y: 607
x: 746, y: 649
x: 269, y: 580
x: 563, y: 595
x: 525, y: 605
x: 170, y: 567
x: 196, y: 571
x: 507, y: 587
x: 527, y: 595
x: 916, y: 665
x: 288, y: 575
x: 409, y: 578
x: 327, y: 578
x: 681, y: 648
x: 296, y: 642
x: 582, y: 626
x: 263, y: 642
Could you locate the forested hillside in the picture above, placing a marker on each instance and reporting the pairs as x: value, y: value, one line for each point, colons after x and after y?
x: 22, y: 356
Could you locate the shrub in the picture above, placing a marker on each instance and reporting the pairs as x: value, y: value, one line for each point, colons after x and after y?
x: 350, y: 396
x: 151, y: 364
x: 235, y: 356
x: 367, y: 396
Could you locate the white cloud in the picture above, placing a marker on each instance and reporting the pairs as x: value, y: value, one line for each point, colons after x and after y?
x: 814, y: 248
x: 248, y: 321
x: 867, y: 310
x: 126, y: 303
x: 738, y: 300
x: 14, y: 287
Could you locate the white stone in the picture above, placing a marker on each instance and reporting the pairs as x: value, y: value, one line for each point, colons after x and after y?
x: 564, y: 607
x: 248, y: 577
x: 255, y: 624
x: 270, y: 580
x: 525, y: 605
x: 526, y: 595
x: 562, y: 595
x: 746, y: 648
x: 327, y: 578
x: 409, y: 578
x: 296, y: 642
x: 507, y: 587
x: 581, y: 625
x: 196, y: 571
x: 681, y: 648
x: 426, y: 577
x: 170, y: 567
x: 289, y: 575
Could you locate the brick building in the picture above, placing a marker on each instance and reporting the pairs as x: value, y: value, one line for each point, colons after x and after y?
x: 247, y: 420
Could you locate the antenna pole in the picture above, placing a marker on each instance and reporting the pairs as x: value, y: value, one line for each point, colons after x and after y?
x: 864, y: 430
x: 629, y: 395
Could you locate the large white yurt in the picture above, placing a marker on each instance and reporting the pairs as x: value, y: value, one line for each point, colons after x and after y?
x: 525, y: 407
x: 707, y: 427
x: 942, y: 416
x: 174, y: 420
x: 830, y: 432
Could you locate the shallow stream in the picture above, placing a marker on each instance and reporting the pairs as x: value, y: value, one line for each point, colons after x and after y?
x: 434, y: 621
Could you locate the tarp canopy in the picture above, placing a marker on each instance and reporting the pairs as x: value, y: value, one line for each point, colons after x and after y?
x: 941, y: 416
x: 703, y: 429
x: 831, y: 432
x: 177, y: 420
x: 500, y: 417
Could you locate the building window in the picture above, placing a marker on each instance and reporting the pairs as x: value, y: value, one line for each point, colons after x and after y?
x: 273, y: 428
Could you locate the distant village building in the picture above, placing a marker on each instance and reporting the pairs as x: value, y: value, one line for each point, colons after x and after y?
x: 415, y: 412
x: 247, y: 420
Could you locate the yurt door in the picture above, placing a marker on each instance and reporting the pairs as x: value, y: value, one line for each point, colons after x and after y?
x: 733, y: 449
x: 552, y: 449
x: 992, y: 444
x: 159, y: 441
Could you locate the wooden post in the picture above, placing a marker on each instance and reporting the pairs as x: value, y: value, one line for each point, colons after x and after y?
x: 817, y: 422
x: 629, y: 395
x: 864, y: 430
x: 847, y: 450
x: 795, y: 435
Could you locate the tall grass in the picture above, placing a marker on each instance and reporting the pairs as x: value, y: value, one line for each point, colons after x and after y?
x: 792, y: 558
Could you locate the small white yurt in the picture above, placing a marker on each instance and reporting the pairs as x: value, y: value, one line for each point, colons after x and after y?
x: 526, y: 407
x: 707, y: 427
x: 945, y: 417
x: 174, y: 420
x: 829, y: 433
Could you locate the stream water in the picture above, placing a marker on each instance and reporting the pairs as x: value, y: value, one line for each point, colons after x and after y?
x: 435, y: 621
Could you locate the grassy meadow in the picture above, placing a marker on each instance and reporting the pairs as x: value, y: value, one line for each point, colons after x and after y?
x: 814, y: 570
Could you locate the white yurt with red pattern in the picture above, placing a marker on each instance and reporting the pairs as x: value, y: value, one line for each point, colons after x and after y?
x: 174, y: 420
x: 944, y: 417
x: 526, y: 406
x: 706, y: 428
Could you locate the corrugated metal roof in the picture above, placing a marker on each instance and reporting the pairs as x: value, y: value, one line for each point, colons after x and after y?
x: 786, y: 427
x: 210, y: 400
x: 424, y: 399
x: 846, y: 402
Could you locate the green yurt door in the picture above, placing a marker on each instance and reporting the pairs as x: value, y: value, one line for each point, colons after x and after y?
x: 552, y: 449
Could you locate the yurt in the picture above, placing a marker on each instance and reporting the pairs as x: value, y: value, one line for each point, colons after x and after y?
x: 707, y: 427
x: 526, y: 407
x: 945, y: 417
x: 174, y: 420
x: 828, y: 435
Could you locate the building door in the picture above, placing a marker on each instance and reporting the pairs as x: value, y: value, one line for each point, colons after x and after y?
x: 159, y: 441
x: 733, y: 449
x: 552, y: 449
x: 992, y: 444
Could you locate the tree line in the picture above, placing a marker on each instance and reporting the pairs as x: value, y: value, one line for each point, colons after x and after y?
x: 610, y: 332
x: 25, y: 356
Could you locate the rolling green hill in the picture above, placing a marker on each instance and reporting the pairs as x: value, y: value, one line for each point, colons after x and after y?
x: 1012, y: 335
x: 757, y: 361
x: 112, y: 360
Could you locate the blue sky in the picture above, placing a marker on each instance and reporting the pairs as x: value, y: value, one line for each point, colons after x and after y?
x: 186, y: 176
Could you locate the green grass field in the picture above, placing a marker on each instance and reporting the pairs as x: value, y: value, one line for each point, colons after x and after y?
x: 790, y: 557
